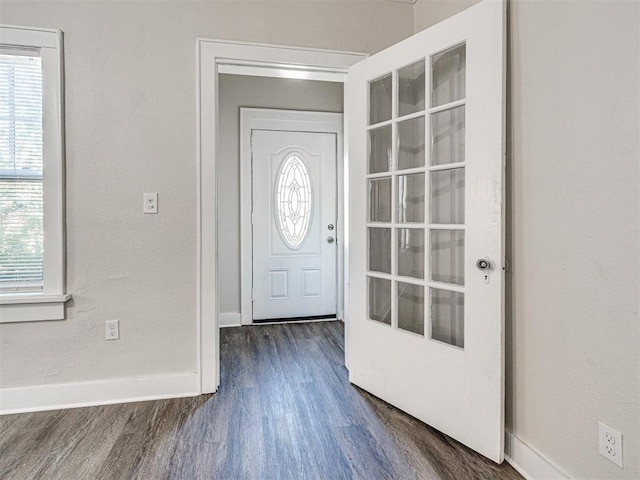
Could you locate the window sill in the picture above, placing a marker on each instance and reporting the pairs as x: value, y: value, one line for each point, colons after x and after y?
x: 32, y: 308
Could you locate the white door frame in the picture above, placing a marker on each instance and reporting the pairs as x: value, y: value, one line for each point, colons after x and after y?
x: 290, y: 120
x: 214, y: 57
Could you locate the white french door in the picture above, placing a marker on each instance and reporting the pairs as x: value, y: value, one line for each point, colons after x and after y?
x: 426, y: 152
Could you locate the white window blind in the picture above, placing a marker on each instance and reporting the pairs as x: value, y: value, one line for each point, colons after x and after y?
x: 21, y: 168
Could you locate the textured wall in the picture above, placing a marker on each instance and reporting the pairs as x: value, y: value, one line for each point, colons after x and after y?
x: 130, y: 125
x: 573, y: 227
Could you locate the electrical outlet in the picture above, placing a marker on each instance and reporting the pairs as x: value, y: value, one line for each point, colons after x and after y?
x: 112, y: 330
x: 610, y: 443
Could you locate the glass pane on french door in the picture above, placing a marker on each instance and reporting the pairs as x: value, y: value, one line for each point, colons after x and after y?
x: 416, y: 185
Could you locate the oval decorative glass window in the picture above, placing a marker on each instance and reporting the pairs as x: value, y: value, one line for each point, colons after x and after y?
x: 293, y: 201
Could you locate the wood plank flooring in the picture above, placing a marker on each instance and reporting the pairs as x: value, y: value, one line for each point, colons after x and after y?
x: 284, y: 410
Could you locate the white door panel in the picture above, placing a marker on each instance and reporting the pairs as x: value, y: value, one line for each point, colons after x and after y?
x: 426, y: 150
x: 294, y: 203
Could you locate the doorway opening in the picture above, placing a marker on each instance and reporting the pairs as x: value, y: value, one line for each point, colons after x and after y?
x: 239, y: 60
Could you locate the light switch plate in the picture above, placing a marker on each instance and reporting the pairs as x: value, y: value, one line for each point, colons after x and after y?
x: 150, y: 203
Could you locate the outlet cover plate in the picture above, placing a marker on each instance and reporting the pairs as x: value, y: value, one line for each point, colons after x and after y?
x: 112, y: 330
x: 610, y: 443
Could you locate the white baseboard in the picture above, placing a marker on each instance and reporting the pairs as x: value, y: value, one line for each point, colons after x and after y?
x: 528, y: 462
x: 85, y: 394
x: 230, y: 319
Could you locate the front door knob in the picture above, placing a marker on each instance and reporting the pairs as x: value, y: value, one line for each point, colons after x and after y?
x: 331, y: 239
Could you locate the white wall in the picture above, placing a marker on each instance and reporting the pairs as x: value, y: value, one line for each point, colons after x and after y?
x: 240, y: 91
x: 131, y: 113
x: 574, y: 227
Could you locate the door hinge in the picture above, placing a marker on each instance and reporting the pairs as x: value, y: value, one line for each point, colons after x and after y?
x: 252, y: 294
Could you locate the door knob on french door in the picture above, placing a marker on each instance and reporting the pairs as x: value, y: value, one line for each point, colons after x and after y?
x: 331, y: 239
x: 483, y: 264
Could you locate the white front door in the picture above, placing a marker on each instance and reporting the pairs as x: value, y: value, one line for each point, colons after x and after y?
x: 294, y: 224
x: 426, y: 279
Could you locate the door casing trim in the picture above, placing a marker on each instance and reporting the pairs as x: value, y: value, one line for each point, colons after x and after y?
x: 282, y: 61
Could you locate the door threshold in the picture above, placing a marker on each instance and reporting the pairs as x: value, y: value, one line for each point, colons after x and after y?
x: 312, y: 318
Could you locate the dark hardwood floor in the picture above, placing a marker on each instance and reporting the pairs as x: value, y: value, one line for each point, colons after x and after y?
x: 284, y: 410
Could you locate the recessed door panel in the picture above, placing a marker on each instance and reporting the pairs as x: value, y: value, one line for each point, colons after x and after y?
x: 278, y: 284
x: 311, y: 282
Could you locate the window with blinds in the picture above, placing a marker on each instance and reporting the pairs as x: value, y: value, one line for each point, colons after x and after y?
x: 21, y: 168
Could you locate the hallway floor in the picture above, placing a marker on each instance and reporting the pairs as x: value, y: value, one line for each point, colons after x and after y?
x: 285, y: 410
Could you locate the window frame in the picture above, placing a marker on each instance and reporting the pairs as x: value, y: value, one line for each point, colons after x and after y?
x: 47, y: 304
